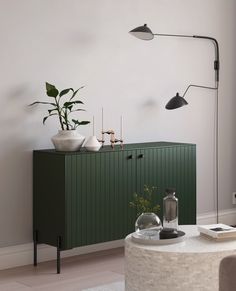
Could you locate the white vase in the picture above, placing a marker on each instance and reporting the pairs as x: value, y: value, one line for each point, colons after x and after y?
x: 92, y: 144
x: 67, y: 140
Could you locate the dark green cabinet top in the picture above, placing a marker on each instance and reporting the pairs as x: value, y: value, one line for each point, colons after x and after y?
x: 131, y: 146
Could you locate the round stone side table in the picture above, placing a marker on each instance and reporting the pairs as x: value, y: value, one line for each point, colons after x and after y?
x: 191, y: 265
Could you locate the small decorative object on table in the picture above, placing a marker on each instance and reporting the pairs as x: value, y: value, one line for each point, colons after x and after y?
x: 157, y: 239
x: 218, y: 231
x: 67, y: 139
x: 148, y: 226
x: 170, y: 215
x: 148, y: 223
x: 92, y: 144
x: 111, y: 133
x: 168, y: 233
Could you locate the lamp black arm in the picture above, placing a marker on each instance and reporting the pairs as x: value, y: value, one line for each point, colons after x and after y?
x: 199, y: 86
x: 217, y: 54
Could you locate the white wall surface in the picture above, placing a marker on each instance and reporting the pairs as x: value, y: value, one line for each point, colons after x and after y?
x: 71, y: 43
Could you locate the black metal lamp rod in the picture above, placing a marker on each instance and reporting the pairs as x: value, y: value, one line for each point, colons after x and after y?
x: 217, y: 59
x: 199, y: 86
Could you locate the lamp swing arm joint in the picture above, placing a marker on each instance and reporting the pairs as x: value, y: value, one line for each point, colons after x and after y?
x: 216, y: 44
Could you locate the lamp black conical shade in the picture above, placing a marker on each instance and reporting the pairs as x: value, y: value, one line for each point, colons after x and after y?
x: 142, y: 32
x: 176, y: 102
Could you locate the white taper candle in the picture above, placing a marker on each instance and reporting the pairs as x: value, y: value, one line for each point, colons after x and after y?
x: 93, y: 125
x: 102, y: 119
x: 121, y: 127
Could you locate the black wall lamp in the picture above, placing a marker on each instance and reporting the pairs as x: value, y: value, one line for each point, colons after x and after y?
x: 145, y: 33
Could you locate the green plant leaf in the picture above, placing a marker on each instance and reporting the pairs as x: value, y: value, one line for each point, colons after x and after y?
x: 49, y: 86
x: 51, y: 110
x: 41, y: 102
x: 46, y: 117
x: 53, y: 93
x: 75, y: 92
x: 65, y: 91
x: 84, y: 122
x: 145, y: 202
x: 78, y: 110
x: 51, y: 90
x: 67, y: 104
x: 77, y: 122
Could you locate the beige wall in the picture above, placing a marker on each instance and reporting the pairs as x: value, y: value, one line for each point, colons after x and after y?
x: 74, y: 43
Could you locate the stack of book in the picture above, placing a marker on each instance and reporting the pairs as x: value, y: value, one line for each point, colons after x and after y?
x: 217, y: 231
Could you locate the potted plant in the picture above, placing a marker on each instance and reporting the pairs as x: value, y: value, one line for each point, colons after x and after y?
x: 147, y: 222
x: 67, y: 139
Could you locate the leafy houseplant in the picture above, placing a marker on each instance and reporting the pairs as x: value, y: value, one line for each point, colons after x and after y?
x: 144, y: 202
x: 147, y: 223
x: 67, y: 139
x: 63, y: 109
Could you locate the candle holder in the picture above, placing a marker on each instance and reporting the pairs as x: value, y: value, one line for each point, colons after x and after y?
x: 111, y: 132
x: 113, y: 140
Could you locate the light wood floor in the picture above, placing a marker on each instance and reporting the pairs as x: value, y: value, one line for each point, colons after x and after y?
x: 77, y: 273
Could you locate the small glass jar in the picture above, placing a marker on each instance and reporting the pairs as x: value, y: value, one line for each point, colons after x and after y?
x: 170, y: 210
x: 148, y: 224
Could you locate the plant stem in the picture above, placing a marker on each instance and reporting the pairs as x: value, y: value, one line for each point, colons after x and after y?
x: 66, y: 120
x: 59, y: 113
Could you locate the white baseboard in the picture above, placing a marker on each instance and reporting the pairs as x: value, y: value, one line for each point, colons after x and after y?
x: 20, y: 255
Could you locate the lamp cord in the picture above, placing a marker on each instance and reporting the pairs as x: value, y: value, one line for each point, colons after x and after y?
x: 216, y: 141
x: 217, y: 152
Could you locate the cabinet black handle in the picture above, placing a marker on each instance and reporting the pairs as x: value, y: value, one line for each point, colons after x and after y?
x: 130, y: 157
x: 140, y: 156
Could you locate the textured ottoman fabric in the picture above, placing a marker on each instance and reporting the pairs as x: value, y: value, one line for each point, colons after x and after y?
x: 227, y: 274
x: 191, y: 265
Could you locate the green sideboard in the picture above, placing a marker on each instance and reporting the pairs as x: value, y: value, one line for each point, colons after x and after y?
x: 82, y: 198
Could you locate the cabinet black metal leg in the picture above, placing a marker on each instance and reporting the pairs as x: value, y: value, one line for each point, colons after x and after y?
x: 35, y: 238
x: 58, y: 254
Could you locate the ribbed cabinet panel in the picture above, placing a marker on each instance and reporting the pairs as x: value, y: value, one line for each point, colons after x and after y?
x: 170, y: 167
x: 99, y: 188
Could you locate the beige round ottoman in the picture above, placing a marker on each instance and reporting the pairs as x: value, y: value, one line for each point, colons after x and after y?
x: 191, y: 265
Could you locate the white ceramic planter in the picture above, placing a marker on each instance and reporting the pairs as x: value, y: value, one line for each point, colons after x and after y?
x: 67, y: 140
x: 92, y: 144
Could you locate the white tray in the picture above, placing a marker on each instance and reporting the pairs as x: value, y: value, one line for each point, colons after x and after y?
x: 155, y: 240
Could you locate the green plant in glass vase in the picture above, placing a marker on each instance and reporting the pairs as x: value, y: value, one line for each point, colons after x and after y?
x: 144, y: 202
x: 147, y: 223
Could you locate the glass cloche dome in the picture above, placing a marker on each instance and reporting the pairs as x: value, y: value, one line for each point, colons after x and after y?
x: 148, y: 225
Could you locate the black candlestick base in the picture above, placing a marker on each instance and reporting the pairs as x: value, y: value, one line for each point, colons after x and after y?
x: 167, y: 233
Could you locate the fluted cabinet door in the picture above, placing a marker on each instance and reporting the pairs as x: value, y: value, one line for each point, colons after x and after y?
x: 170, y: 167
x: 98, y: 190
